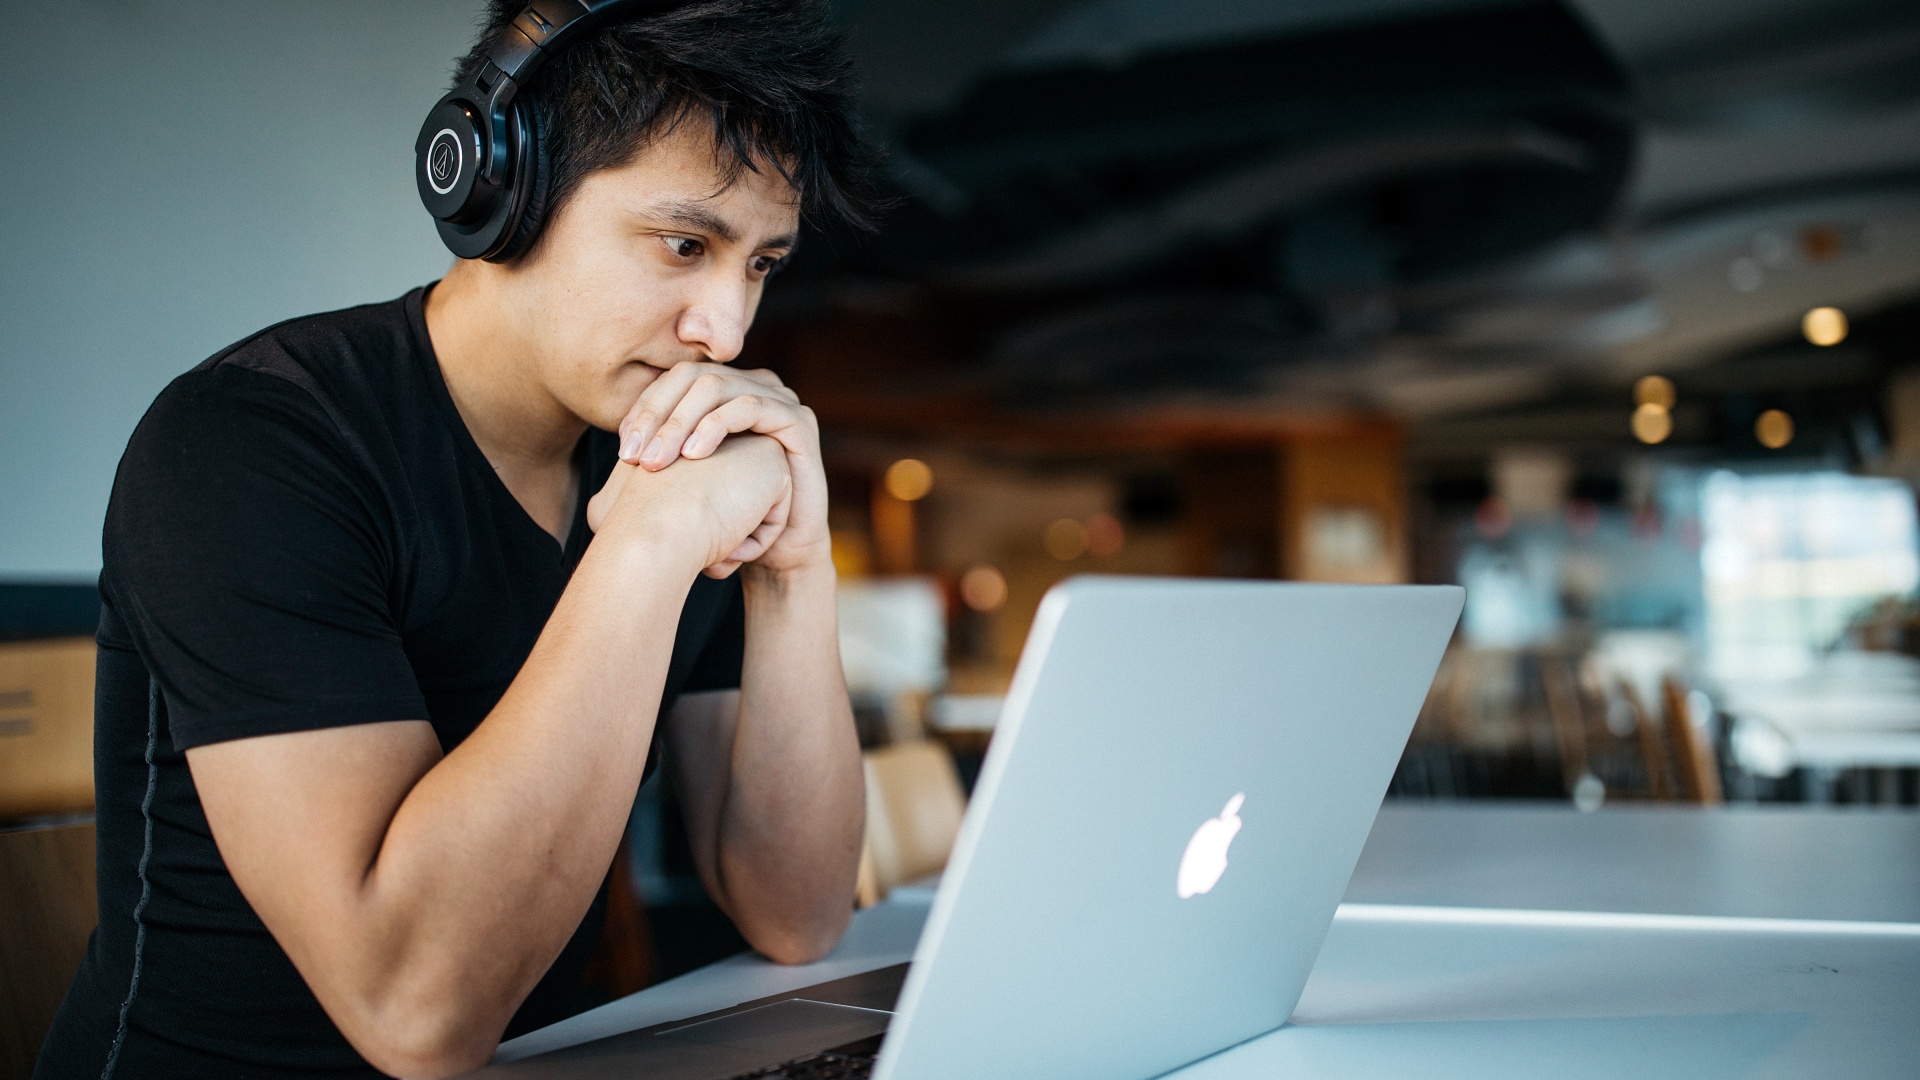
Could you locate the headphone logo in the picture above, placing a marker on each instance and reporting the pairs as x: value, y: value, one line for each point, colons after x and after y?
x: 443, y: 161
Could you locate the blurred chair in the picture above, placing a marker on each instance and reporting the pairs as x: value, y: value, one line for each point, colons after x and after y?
x: 1695, y: 764
x: 47, y: 910
x: 46, y: 728
x: 1680, y: 760
x: 1569, y: 719
x: 623, y: 962
x: 1654, y: 756
x: 914, y: 807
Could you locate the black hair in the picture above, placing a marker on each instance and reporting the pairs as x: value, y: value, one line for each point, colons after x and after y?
x: 771, y: 77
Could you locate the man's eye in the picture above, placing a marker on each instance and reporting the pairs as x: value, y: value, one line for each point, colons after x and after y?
x: 767, y: 264
x: 684, y: 247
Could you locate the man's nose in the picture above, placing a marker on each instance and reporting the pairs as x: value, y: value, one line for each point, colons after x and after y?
x: 716, y: 320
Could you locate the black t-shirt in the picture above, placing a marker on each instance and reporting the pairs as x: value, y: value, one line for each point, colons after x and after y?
x: 302, y: 534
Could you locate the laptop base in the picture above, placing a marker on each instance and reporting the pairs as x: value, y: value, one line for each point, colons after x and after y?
x: 826, y: 1026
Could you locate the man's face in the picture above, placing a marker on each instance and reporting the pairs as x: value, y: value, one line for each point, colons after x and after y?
x: 649, y: 264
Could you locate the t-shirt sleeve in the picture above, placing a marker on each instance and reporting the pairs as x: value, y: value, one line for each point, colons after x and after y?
x: 251, y: 555
x: 717, y: 667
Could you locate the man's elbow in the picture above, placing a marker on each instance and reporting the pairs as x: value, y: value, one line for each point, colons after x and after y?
x: 796, y: 941
x: 794, y: 951
x: 421, y: 1044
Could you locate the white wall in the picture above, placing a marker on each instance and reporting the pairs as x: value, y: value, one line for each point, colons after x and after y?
x: 175, y: 174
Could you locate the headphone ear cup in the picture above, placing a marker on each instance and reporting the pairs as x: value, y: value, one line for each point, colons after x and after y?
x: 531, y: 173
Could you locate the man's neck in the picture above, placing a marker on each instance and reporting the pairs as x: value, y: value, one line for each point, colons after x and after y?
x: 489, y: 362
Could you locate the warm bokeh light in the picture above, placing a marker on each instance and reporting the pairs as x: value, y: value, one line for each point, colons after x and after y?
x: 1105, y: 535
x: 1774, y: 429
x: 1825, y: 326
x: 1065, y: 539
x: 1822, y: 243
x: 1654, y: 390
x: 1652, y: 424
x: 852, y: 553
x: 1491, y: 518
x: 983, y: 588
x: 909, y: 479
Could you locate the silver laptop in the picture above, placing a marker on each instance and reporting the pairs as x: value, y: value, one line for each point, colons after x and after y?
x: 1174, y: 799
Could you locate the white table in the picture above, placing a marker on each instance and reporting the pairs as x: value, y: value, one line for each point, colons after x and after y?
x: 1731, y: 944
x: 1442, y: 1001
x: 1775, y: 861
x: 1854, y: 710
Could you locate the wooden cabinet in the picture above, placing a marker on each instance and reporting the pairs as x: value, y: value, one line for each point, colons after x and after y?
x: 1343, y: 508
x: 46, y: 727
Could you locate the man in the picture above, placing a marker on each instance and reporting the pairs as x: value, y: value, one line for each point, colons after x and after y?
x: 372, y: 710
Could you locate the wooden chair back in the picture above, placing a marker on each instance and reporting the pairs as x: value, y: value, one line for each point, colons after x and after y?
x: 1696, y: 766
x: 623, y: 962
x: 47, y: 910
x: 914, y: 807
x: 1680, y: 760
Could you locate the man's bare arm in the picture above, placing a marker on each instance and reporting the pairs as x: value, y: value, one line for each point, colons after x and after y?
x: 770, y: 777
x: 422, y: 897
x: 773, y: 790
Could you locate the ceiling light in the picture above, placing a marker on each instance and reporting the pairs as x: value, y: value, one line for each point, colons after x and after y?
x: 1825, y: 326
x: 1654, y: 390
x: 1774, y: 429
x: 1652, y: 423
x: 909, y: 479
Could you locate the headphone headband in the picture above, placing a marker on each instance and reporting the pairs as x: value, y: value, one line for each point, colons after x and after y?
x: 476, y: 151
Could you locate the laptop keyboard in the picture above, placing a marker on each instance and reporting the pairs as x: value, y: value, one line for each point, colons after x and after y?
x: 854, y: 1061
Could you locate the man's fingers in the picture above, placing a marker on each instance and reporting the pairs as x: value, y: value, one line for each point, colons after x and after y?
x: 661, y: 400
x: 783, y: 421
x: 764, y: 534
x: 762, y: 538
x: 656, y: 403
x: 774, y: 388
x: 708, y: 393
x: 754, y: 546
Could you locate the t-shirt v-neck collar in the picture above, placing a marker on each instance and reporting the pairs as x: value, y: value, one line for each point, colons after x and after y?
x: 570, y: 550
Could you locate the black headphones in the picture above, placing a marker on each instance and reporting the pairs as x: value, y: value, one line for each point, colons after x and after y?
x: 479, y: 161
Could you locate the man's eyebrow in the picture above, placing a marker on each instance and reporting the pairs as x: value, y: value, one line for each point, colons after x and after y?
x: 692, y: 215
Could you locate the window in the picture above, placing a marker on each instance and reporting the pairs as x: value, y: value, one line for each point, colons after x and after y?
x: 1789, y: 560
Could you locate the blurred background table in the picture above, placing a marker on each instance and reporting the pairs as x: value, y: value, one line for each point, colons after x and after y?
x: 1856, y: 715
x: 1742, y: 861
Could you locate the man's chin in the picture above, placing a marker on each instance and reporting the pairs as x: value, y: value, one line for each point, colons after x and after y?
x: 604, y: 413
x: 613, y: 406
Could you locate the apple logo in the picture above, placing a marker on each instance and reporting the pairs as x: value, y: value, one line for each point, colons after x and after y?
x: 1206, y: 856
